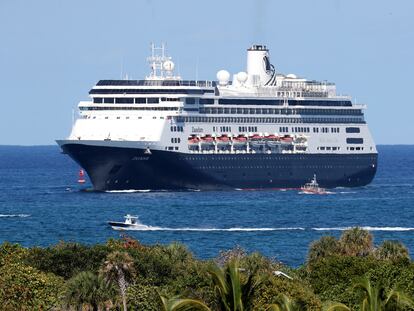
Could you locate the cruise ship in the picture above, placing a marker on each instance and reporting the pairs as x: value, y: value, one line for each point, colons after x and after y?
x: 254, y: 129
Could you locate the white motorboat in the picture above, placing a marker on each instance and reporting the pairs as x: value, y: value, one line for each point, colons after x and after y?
x: 130, y: 222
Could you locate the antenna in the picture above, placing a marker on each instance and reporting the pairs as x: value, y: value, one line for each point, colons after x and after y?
x: 161, y: 65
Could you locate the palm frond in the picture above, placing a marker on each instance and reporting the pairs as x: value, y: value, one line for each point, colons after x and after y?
x: 179, y: 304
x: 335, y: 306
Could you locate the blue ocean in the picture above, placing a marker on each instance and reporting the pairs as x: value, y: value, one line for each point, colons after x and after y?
x: 41, y: 203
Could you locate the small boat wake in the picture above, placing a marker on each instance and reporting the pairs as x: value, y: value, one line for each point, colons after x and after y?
x: 14, y: 215
x: 132, y: 223
x: 235, y: 229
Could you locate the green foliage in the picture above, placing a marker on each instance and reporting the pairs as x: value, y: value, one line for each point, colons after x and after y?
x: 88, y: 289
x: 376, y: 298
x: 270, y: 291
x: 324, y: 247
x: 235, y: 285
x: 356, y: 242
x: 393, y: 251
x: 161, y: 265
x: 143, y: 297
x: 332, y: 278
x: 25, y: 288
x: 34, y: 278
x: 179, y: 304
x: 11, y: 253
x: 67, y: 259
x: 118, y: 269
x: 285, y: 303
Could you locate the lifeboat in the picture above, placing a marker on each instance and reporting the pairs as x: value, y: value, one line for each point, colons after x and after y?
x: 286, y: 140
x: 239, y: 142
x: 257, y: 141
x: 272, y: 140
x: 193, y: 142
x: 207, y: 142
x: 223, y: 140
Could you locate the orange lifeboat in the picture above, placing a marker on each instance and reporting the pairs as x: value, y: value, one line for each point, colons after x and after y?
x: 287, y: 139
x: 239, y: 142
x: 207, y: 141
x: 193, y: 140
x: 223, y: 140
x: 257, y: 141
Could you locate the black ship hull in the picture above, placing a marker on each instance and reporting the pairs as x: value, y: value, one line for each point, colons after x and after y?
x: 118, y: 168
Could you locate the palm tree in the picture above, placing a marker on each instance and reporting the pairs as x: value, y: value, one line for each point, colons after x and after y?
x: 235, y: 291
x: 375, y: 297
x: 118, y: 268
x: 284, y: 303
x: 356, y: 242
x: 87, y: 288
x: 322, y: 248
x: 392, y: 250
x: 178, y: 304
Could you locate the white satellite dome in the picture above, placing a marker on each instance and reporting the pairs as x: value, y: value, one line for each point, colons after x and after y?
x: 168, y: 65
x: 223, y: 77
x: 291, y: 76
x: 242, y: 77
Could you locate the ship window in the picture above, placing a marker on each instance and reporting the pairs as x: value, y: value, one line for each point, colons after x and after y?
x: 108, y: 100
x: 152, y: 100
x: 97, y: 100
x: 124, y: 100
x: 354, y: 141
x: 190, y: 101
x: 352, y: 129
x: 140, y: 100
x: 206, y: 101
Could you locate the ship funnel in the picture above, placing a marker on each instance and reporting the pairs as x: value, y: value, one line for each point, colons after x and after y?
x: 259, y: 69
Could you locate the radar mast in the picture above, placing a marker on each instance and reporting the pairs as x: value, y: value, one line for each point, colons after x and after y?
x: 162, y: 66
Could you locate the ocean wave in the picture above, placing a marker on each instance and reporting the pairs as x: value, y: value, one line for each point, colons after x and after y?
x: 14, y: 215
x: 369, y: 228
x: 128, y: 191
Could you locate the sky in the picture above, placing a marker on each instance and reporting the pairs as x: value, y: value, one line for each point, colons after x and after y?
x: 52, y: 52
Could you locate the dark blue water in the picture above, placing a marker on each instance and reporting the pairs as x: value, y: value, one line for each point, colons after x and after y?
x: 36, y: 208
